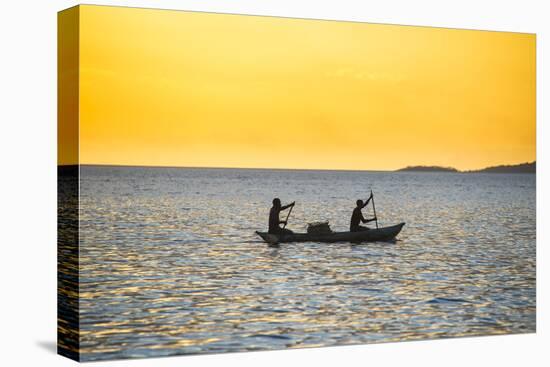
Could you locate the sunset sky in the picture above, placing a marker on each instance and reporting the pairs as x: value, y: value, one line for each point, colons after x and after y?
x: 173, y: 88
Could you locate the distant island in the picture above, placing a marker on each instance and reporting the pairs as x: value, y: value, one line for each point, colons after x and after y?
x: 427, y: 169
x: 517, y: 168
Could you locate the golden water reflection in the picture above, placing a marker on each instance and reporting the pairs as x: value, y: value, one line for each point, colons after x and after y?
x: 170, y: 264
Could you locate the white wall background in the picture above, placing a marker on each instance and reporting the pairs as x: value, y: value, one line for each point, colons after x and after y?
x: 28, y: 182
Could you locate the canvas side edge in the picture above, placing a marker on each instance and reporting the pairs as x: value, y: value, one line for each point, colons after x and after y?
x: 68, y: 322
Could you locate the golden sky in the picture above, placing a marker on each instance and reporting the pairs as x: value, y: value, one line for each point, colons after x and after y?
x: 173, y: 88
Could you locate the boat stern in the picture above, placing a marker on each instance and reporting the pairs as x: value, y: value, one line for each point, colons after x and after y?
x: 271, y: 239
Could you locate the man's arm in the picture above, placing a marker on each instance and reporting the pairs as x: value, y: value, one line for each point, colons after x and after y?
x: 363, y: 220
x: 367, y: 202
x: 288, y: 206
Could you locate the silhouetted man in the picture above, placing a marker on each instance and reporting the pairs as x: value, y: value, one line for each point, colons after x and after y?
x: 274, y: 220
x: 357, y: 217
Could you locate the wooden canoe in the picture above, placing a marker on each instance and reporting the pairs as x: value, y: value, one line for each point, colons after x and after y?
x: 380, y: 234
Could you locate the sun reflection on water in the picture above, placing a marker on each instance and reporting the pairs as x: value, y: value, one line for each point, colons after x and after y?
x: 169, y: 263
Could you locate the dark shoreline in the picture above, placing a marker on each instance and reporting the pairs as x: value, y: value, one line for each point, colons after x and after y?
x: 530, y: 168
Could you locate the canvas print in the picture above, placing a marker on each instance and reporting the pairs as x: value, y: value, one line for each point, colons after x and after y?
x: 233, y: 183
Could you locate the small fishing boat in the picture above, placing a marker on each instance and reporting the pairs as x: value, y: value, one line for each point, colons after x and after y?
x: 379, y: 234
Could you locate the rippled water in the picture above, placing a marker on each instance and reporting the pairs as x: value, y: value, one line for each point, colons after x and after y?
x: 170, y: 264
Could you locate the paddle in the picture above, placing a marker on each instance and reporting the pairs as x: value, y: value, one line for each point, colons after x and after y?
x: 374, y: 208
x: 288, y: 215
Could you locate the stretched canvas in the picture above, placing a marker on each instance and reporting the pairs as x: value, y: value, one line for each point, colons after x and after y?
x: 232, y: 183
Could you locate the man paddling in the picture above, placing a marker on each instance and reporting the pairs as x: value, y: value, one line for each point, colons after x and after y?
x: 274, y: 220
x: 357, y: 217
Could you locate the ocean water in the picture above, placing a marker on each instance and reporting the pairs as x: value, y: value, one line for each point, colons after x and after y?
x: 170, y: 264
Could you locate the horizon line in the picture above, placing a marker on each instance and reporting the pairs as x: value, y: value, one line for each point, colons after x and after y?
x: 218, y: 167
x: 286, y: 169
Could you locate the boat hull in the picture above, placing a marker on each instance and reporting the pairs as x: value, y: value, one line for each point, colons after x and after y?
x: 380, y: 234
